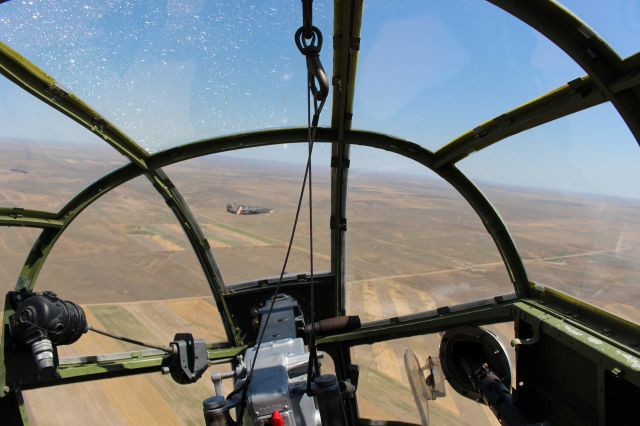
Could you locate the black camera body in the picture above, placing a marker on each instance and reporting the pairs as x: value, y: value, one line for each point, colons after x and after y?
x: 42, y: 321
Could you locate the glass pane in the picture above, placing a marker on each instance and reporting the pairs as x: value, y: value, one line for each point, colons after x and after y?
x: 220, y: 188
x: 15, y: 244
x: 172, y: 72
x: 430, y: 71
x: 568, y: 192
x: 45, y: 157
x: 384, y: 392
x: 616, y: 21
x: 413, y: 243
x: 149, y: 399
x: 128, y: 262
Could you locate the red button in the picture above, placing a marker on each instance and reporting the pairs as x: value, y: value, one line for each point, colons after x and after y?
x: 276, y: 419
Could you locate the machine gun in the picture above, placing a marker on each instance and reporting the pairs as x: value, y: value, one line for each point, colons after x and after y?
x: 277, y: 392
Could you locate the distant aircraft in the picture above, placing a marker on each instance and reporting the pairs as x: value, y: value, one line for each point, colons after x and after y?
x: 242, y: 210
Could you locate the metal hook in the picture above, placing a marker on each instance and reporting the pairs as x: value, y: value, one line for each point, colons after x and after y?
x: 318, y: 81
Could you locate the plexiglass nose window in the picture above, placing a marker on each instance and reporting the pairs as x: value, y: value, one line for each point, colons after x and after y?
x: 128, y: 262
x: 15, y: 244
x: 45, y: 157
x: 170, y: 72
x: 569, y: 193
x: 413, y: 243
x: 429, y: 71
x: 245, y: 202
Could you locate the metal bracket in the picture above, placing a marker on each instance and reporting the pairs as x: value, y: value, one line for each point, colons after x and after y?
x: 334, y: 161
x: 342, y: 226
x: 535, y: 330
x: 56, y: 93
x: 17, y: 213
x: 99, y: 124
x: 190, y: 359
x: 578, y: 85
x: 355, y: 44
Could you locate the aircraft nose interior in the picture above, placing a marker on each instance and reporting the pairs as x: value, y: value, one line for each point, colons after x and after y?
x: 183, y: 243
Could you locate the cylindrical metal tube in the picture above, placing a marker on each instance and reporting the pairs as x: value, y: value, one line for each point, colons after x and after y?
x: 329, y: 399
x: 216, y: 411
x: 498, y: 398
x: 43, y: 353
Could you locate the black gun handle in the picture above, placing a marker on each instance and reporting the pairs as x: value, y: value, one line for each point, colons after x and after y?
x: 335, y: 325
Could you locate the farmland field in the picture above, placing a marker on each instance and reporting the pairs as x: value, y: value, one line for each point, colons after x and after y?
x: 413, y: 245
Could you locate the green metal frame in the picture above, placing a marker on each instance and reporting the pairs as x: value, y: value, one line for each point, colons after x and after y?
x: 198, y: 241
x: 492, y: 221
x: 609, y: 78
x: 94, y: 369
x: 16, y: 216
x: 346, y: 35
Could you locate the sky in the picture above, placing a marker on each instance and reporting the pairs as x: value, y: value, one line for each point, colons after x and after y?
x: 177, y: 71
